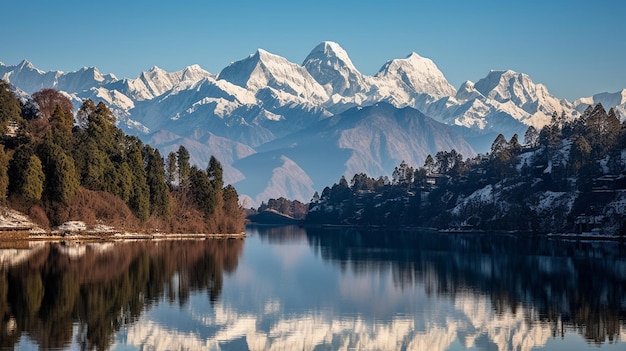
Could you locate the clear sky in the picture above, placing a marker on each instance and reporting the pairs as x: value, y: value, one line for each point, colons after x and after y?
x: 576, y: 48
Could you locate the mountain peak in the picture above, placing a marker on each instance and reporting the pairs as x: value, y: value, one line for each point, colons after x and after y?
x: 156, y: 69
x: 25, y: 64
x: 330, y: 66
x: 264, y: 55
x: 498, y: 83
x: 419, y: 74
x: 286, y: 81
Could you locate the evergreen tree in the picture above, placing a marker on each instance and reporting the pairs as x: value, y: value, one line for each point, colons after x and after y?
x: 95, y: 166
x: 10, y: 109
x: 124, y: 181
x: 580, y: 153
x: 531, y: 136
x: 215, y: 173
x: 429, y: 164
x: 17, y: 168
x: 61, y: 124
x: 61, y: 180
x: 155, y: 174
x: 498, y: 145
x: 171, y: 170
x: 184, y: 167
x: 139, y: 201
x: 82, y: 116
x: 201, y: 190
x: 514, y: 146
x: 602, y: 130
x: 33, y: 182
x: 231, y: 202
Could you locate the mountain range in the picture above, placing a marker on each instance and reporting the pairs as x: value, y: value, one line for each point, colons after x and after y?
x: 284, y: 129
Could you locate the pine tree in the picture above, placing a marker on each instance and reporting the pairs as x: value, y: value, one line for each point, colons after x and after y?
x: 580, y: 153
x: 183, y: 167
x: 33, y: 182
x: 17, y: 168
x: 498, y: 145
x: 215, y: 173
x: 62, y: 181
x: 61, y: 124
x: 82, y: 116
x: 514, y: 146
x: 200, y: 188
x: 429, y: 164
x: 232, y: 209
x: 139, y: 201
x: 155, y: 174
x: 9, y: 106
x: 531, y: 136
x: 171, y: 170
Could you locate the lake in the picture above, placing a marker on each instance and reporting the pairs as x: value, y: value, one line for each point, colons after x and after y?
x: 290, y: 288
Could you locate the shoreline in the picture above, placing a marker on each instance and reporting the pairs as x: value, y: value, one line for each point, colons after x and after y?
x: 17, y: 235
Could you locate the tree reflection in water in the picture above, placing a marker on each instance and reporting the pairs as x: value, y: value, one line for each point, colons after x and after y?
x: 578, y: 284
x: 100, y: 287
x: 510, y: 290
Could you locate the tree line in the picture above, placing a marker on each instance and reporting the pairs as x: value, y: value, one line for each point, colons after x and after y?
x: 564, y: 160
x: 57, y: 166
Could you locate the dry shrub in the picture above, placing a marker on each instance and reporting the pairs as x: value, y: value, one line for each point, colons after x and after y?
x: 58, y: 213
x: 185, y: 217
x: 38, y: 215
x: 92, y: 207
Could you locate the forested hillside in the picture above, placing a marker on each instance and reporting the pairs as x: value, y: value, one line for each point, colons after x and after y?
x: 568, y: 177
x: 57, y: 167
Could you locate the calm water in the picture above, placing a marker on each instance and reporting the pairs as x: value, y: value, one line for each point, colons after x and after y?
x: 294, y: 289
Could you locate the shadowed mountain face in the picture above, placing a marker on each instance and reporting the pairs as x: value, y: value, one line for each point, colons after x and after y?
x: 372, y: 140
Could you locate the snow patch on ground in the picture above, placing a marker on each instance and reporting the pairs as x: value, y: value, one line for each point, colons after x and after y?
x: 549, y: 200
x: 483, y: 196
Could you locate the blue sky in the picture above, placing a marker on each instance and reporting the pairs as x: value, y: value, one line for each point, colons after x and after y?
x: 575, y: 48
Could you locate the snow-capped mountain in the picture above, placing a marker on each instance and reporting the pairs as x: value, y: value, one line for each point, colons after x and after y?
x: 517, y: 91
x: 30, y: 79
x: 617, y: 101
x: 263, y: 101
x: 264, y: 71
x: 414, y: 75
x: 157, y: 81
x: 329, y: 64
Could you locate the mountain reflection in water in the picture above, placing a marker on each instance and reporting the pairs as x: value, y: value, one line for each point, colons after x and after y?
x: 289, y: 288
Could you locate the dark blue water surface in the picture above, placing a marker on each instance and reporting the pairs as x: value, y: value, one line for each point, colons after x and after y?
x: 290, y: 288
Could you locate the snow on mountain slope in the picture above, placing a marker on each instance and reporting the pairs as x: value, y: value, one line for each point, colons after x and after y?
x: 329, y: 64
x: 265, y: 70
x: 157, y: 81
x: 617, y: 101
x: 516, y: 90
x: 412, y: 75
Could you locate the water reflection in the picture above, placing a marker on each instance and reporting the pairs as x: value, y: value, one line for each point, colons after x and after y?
x: 316, y: 289
x: 53, y: 292
x: 563, y: 285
